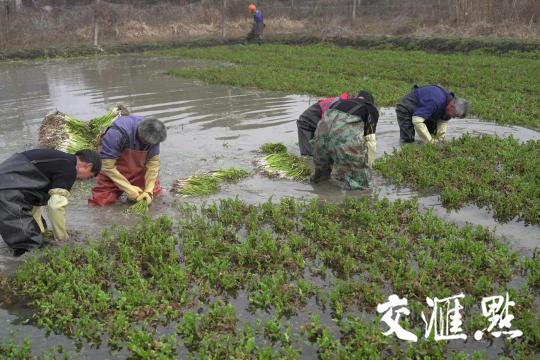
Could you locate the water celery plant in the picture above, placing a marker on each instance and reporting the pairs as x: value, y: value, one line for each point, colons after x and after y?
x: 499, y: 173
x: 503, y: 88
x: 221, y: 280
x: 139, y: 208
x: 277, y: 162
x: 207, y: 184
x: 64, y: 132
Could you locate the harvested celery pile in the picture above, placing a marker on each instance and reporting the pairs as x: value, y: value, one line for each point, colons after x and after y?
x: 207, y: 184
x: 63, y: 132
x: 277, y: 162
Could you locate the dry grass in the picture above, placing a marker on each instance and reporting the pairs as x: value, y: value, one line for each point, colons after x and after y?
x: 124, y: 23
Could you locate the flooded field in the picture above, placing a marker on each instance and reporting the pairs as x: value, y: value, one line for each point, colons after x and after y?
x: 209, y: 127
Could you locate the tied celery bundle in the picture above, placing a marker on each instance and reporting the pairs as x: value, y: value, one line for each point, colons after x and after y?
x: 63, y: 132
x: 139, y: 208
x: 273, y: 148
x: 207, y: 184
x: 277, y: 162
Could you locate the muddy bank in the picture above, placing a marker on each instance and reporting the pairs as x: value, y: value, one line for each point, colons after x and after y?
x: 437, y: 45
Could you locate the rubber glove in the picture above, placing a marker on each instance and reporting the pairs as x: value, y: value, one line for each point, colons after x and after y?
x: 151, y: 174
x: 371, y: 145
x: 108, y: 166
x: 441, y: 130
x: 145, y: 196
x: 36, y: 213
x: 422, y: 129
x: 56, y: 210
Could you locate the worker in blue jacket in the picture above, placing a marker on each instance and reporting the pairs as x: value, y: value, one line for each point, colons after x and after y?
x: 426, y: 110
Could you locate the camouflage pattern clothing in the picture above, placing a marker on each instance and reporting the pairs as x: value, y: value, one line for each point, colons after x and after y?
x: 338, y: 147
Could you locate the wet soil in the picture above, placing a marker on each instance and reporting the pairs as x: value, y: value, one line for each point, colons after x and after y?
x: 209, y: 127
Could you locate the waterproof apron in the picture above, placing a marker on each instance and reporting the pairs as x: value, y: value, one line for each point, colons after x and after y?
x: 131, y: 164
x: 22, y: 186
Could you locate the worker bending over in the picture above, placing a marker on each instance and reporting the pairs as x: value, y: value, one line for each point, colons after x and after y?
x: 427, y: 110
x: 345, y: 143
x: 308, y: 120
x: 36, y: 178
x: 129, y: 149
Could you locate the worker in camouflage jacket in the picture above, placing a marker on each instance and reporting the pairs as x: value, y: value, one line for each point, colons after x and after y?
x: 344, y: 143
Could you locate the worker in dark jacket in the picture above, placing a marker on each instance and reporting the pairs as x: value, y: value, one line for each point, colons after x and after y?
x: 427, y: 110
x: 257, y: 29
x: 130, y: 150
x: 35, y: 178
x: 308, y: 120
x: 345, y: 142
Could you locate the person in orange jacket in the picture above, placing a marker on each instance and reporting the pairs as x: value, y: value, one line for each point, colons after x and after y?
x: 258, y: 25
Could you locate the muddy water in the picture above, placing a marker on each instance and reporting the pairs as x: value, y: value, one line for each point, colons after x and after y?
x: 209, y: 127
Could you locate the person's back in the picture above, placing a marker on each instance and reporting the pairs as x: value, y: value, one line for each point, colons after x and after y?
x: 35, y: 178
x: 432, y: 101
x: 258, y: 18
x: 426, y: 110
x: 308, y: 120
x: 257, y: 28
x: 123, y: 135
x: 342, y: 141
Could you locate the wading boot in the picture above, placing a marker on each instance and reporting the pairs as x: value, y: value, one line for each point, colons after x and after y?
x: 319, y: 175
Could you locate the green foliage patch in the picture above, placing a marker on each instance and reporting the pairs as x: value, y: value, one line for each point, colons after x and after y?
x: 498, y: 173
x: 501, y: 88
x: 279, y: 259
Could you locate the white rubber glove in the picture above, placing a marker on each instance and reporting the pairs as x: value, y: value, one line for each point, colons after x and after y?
x: 145, y: 196
x: 371, y: 145
x: 441, y: 130
x: 56, y: 210
x: 36, y: 213
x: 422, y: 129
x: 151, y: 174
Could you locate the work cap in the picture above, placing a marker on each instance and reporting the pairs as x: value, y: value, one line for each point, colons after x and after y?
x: 152, y: 131
x: 462, y: 107
x: 367, y: 96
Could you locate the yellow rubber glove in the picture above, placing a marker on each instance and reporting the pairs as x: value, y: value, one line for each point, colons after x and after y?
x: 36, y: 213
x: 151, y: 174
x: 108, y: 166
x: 56, y: 210
x: 371, y: 145
x: 145, y: 196
x: 441, y: 130
x: 422, y: 129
